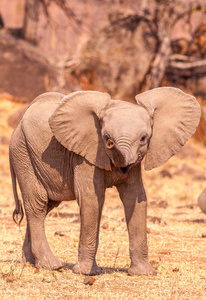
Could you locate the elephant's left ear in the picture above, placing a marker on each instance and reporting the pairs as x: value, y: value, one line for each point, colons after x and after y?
x: 76, y: 125
x: 176, y: 116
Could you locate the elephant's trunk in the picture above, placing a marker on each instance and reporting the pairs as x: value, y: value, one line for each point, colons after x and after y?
x: 119, y: 151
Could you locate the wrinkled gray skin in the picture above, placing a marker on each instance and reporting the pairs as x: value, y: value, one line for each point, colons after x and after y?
x: 76, y: 146
x: 202, y: 201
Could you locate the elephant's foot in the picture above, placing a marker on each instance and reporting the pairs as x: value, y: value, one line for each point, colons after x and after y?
x: 45, y: 262
x: 27, y: 256
x: 87, y: 268
x: 142, y: 268
x: 50, y: 262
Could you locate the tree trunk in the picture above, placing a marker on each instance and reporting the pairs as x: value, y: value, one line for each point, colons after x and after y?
x: 31, y: 20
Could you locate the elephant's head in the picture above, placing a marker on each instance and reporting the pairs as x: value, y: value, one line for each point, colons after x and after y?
x: 106, y: 131
x: 126, y: 131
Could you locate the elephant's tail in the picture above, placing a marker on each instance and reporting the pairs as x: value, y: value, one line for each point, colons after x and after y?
x: 18, y: 213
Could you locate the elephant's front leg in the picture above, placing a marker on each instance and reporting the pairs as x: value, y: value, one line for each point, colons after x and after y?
x: 90, y: 194
x: 134, y: 199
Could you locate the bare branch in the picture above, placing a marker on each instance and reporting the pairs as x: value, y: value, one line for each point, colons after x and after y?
x: 167, y: 14
x: 186, y: 67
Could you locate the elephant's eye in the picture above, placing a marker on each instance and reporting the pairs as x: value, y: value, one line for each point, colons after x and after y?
x: 143, y: 138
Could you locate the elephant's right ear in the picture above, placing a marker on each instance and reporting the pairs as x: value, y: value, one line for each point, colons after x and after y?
x: 175, y: 115
x: 76, y: 125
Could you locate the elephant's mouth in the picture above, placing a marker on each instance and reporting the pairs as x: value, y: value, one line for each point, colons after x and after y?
x: 120, y: 160
x: 125, y: 169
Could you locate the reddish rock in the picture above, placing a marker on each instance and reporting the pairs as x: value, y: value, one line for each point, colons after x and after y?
x: 24, y: 72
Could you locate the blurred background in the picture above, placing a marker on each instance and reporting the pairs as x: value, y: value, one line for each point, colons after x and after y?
x: 122, y: 47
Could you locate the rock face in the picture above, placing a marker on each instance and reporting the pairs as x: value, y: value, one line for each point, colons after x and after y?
x: 12, y: 13
x: 121, y: 56
x: 103, y: 45
x: 92, y: 46
x: 24, y: 72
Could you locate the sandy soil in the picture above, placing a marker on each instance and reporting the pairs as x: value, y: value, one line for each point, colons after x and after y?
x: 176, y: 237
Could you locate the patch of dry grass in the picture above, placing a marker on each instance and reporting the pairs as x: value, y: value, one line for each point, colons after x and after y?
x: 176, y: 245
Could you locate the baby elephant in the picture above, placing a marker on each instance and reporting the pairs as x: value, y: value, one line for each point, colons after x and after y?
x: 75, y: 146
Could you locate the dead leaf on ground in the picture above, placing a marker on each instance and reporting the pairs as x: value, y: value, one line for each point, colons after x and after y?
x: 88, y: 280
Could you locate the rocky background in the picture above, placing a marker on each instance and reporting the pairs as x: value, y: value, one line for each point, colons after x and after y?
x: 120, y: 47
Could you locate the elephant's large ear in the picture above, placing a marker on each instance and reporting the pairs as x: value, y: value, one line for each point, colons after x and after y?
x: 76, y: 125
x: 175, y: 116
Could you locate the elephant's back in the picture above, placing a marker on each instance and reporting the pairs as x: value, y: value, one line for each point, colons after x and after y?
x: 40, y: 110
x: 48, y: 98
x: 43, y: 106
x: 34, y: 123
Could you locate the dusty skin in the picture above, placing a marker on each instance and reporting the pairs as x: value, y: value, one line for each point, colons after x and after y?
x: 176, y: 237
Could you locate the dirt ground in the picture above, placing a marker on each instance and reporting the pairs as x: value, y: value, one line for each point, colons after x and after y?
x: 176, y: 237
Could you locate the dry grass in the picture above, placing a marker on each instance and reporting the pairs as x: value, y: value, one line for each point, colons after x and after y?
x: 176, y: 245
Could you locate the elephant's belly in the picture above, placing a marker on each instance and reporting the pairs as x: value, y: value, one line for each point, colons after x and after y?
x: 64, y: 194
x: 56, y: 176
x: 59, y: 187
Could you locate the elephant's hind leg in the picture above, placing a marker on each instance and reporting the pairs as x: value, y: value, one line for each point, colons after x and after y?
x: 27, y: 255
x: 36, y: 203
x: 36, y: 248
